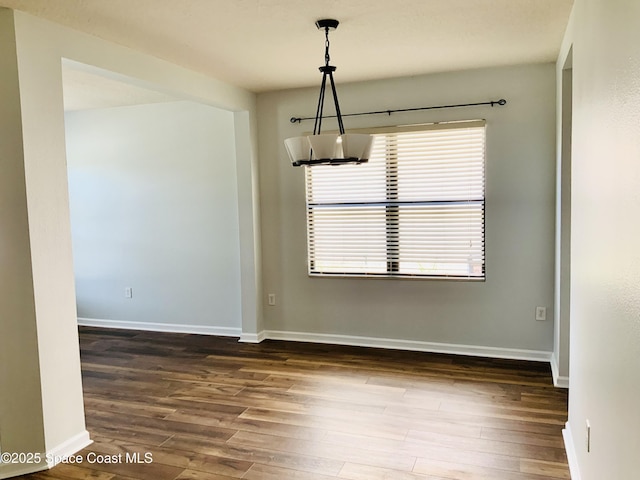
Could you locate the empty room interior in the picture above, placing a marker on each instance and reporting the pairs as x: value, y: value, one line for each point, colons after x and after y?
x: 276, y: 239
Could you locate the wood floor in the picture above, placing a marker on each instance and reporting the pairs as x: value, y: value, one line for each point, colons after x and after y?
x: 206, y: 408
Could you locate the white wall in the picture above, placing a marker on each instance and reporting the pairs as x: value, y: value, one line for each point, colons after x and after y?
x: 605, y: 264
x: 154, y: 207
x: 21, y: 422
x: 519, y: 217
x: 37, y: 236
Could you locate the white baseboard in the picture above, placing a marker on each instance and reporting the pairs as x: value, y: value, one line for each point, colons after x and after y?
x: 49, y: 459
x: 161, y: 327
x: 252, y: 337
x: 10, y: 470
x: 559, y: 381
x: 357, y: 341
x: 412, y: 345
x: 570, y: 448
x: 68, y: 448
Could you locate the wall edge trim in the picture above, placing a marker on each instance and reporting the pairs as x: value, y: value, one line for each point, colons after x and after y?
x: 50, y: 459
x: 411, y: 345
x: 351, y: 340
x: 16, y: 470
x: 68, y: 448
x: 252, y: 337
x: 559, y: 381
x: 160, y: 327
x: 570, y: 448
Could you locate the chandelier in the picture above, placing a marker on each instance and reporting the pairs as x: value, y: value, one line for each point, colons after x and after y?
x: 328, y: 148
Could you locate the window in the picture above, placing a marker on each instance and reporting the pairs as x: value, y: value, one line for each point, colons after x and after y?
x: 416, y: 209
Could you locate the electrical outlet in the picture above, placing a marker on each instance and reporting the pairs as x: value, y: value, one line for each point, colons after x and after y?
x: 128, y: 292
x: 272, y: 299
x: 588, y: 436
x: 541, y: 313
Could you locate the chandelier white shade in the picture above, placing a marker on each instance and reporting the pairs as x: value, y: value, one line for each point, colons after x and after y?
x: 329, y: 148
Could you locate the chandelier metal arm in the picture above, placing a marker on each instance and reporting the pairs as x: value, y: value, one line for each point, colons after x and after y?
x: 317, y: 127
x: 335, y: 100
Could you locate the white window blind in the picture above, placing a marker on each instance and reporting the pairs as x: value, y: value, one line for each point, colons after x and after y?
x: 416, y: 209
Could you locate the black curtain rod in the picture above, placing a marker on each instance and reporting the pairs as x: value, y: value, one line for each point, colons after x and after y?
x: 500, y: 102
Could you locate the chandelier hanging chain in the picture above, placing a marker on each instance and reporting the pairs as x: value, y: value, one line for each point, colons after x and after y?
x: 327, y: 58
x: 330, y: 148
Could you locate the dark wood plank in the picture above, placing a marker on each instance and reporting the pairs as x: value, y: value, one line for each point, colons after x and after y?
x: 209, y: 408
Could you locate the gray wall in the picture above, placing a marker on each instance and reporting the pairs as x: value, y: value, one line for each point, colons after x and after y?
x: 519, y: 217
x: 605, y: 227
x: 153, y: 202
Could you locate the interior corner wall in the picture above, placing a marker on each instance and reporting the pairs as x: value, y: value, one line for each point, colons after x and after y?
x: 46, y: 43
x: 249, y: 225
x: 40, y: 95
x: 562, y: 278
x: 40, y: 47
x: 154, y: 207
x: 21, y: 422
x: 605, y: 265
x: 520, y: 182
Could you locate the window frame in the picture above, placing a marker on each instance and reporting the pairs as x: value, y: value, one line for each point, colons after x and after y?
x: 392, y: 206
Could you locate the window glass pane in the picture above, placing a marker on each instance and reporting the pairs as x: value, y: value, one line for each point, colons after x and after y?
x: 350, y: 183
x: 441, y: 165
x: 347, y: 240
x: 441, y: 240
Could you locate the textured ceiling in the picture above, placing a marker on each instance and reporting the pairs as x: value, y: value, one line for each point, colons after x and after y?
x: 273, y: 44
